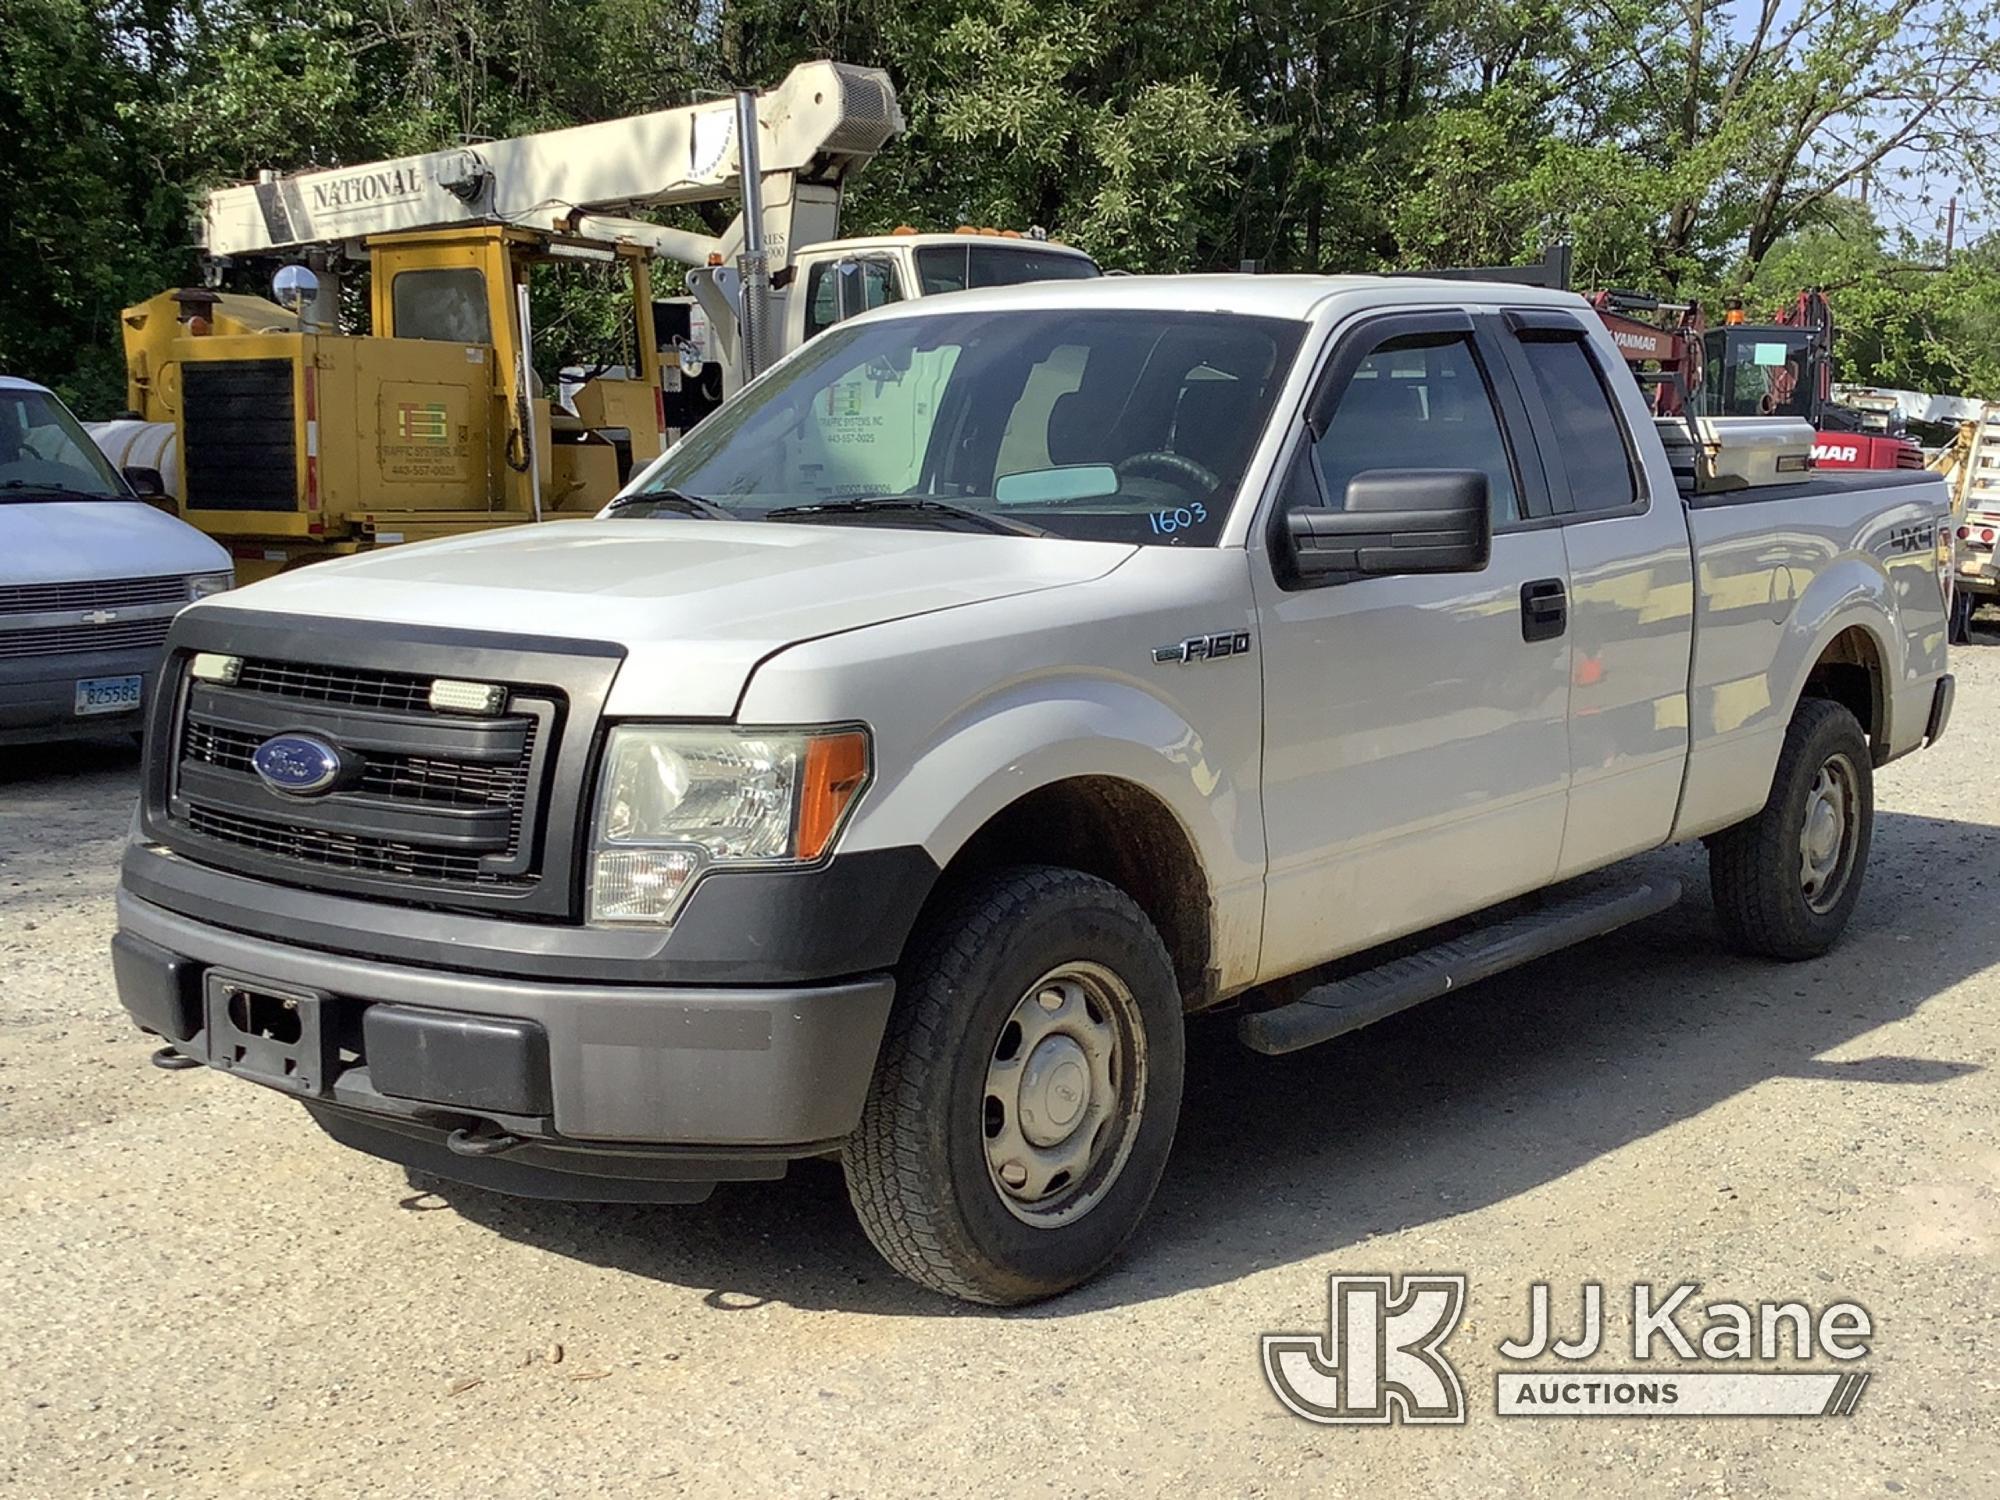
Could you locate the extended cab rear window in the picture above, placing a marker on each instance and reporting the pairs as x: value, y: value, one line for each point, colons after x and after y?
x: 1589, y: 439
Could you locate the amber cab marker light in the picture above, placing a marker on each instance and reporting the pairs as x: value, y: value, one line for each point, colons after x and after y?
x: 836, y: 767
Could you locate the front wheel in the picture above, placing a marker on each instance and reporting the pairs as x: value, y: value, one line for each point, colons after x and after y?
x: 1027, y: 1091
x: 1786, y: 881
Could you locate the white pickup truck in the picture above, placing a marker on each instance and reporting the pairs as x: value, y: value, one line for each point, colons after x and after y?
x: 1000, y: 679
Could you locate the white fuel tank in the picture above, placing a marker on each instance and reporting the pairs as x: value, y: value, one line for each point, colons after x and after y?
x: 130, y: 443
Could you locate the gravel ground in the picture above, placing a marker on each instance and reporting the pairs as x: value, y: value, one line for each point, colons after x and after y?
x: 199, y: 1293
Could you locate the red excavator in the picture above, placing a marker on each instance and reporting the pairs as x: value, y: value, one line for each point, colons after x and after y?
x: 1666, y: 354
x: 1785, y: 369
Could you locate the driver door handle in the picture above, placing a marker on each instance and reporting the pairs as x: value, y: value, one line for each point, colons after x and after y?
x: 1544, y: 609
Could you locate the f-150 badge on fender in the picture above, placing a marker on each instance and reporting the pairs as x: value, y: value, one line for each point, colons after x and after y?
x: 1205, y: 647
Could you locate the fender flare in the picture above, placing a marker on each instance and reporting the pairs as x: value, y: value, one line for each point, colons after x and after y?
x: 1001, y: 748
x: 1849, y: 595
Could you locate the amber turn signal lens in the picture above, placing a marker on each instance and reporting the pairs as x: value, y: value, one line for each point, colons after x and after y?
x: 836, y: 770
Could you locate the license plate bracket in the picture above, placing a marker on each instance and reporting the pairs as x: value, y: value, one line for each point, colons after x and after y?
x: 272, y: 1033
x: 110, y: 695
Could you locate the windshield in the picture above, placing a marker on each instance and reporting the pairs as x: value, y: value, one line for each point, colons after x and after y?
x: 44, y: 455
x: 1129, y: 426
x: 1756, y: 372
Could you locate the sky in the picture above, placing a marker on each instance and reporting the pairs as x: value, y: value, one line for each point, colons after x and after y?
x: 1907, y: 192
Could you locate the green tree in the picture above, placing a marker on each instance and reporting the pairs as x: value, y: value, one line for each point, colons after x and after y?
x: 1676, y: 144
x: 1902, y: 318
x: 84, y: 220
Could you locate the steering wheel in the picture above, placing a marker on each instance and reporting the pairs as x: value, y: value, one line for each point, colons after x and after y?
x: 1173, y: 467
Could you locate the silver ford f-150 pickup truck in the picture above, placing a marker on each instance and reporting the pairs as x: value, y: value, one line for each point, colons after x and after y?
x: 997, y: 681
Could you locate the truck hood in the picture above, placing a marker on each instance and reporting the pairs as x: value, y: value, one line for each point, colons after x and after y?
x: 696, y: 604
x: 77, y: 541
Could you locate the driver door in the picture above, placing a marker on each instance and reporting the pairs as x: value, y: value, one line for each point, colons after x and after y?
x: 1416, y: 760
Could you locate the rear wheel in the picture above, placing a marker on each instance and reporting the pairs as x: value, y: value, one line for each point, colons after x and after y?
x: 1786, y: 881
x: 1027, y: 1092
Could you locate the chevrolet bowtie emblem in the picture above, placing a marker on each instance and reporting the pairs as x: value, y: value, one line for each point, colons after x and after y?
x: 99, y: 616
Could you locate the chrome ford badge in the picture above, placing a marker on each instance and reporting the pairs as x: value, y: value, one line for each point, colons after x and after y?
x: 300, y: 764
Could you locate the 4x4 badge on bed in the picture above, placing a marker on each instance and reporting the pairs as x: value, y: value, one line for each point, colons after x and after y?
x: 1205, y: 647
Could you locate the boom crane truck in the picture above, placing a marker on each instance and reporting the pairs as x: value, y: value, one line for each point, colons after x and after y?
x: 290, y: 440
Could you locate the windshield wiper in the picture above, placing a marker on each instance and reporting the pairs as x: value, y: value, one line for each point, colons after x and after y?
x: 22, y: 489
x: 918, y: 504
x: 680, y: 500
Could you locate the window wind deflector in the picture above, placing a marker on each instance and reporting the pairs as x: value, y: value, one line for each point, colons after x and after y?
x: 1417, y: 330
x: 1545, y: 325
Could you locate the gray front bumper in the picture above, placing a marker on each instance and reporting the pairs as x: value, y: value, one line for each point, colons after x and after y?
x: 38, y: 693
x: 780, y: 1071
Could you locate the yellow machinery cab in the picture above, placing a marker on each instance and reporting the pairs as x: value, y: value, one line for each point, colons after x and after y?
x: 298, y: 443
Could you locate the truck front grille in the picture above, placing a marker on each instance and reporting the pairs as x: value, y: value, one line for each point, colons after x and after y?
x: 434, y: 802
x: 485, y: 813
x: 420, y: 778
x: 357, y: 689
x: 96, y: 593
x: 239, y: 448
x: 368, y: 856
x: 63, y: 640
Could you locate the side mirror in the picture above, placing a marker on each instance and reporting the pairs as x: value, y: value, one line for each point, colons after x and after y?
x: 1396, y: 521
x: 294, y: 288
x: 146, y: 483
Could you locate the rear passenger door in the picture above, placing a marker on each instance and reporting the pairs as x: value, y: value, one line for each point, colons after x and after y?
x: 1416, y: 753
x: 1625, y: 540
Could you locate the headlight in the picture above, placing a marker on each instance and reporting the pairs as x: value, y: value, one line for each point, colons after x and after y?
x: 201, y: 585
x: 673, y: 802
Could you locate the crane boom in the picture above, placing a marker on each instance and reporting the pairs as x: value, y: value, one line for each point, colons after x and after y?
x: 821, y: 124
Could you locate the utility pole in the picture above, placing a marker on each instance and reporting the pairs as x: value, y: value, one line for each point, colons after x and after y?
x: 1950, y: 227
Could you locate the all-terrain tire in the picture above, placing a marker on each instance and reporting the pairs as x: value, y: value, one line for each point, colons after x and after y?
x: 1761, y: 870
x: 919, y: 1170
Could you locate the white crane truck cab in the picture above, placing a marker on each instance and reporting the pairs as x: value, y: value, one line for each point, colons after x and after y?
x: 828, y: 283
x: 995, y: 682
x: 90, y: 578
x: 880, y: 269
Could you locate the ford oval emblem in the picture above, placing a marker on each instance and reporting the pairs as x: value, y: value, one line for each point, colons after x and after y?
x: 300, y: 764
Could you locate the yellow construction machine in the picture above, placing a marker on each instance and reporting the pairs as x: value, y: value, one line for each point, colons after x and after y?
x: 289, y: 437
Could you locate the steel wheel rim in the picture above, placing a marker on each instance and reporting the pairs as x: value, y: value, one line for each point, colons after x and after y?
x: 1827, y: 834
x: 1064, y: 1091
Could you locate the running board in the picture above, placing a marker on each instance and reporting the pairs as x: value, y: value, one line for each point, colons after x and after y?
x: 1361, y: 999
